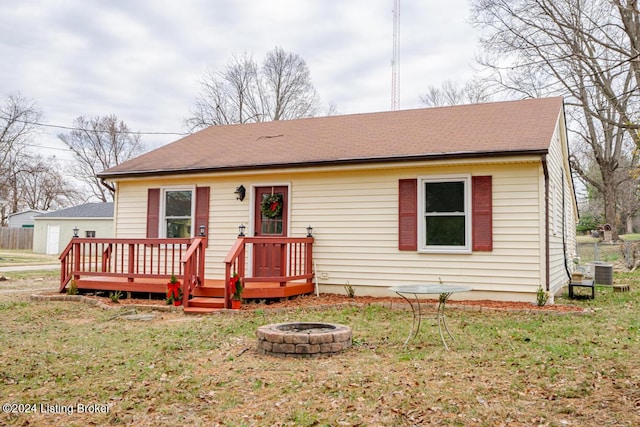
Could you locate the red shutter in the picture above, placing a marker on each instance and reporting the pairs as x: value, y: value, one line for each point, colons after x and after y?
x: 482, y: 213
x: 153, y: 212
x: 408, y: 215
x: 202, y: 210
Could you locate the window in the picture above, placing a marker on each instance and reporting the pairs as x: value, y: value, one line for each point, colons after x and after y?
x: 478, y: 211
x: 444, y: 204
x: 175, y: 201
x: 177, y: 213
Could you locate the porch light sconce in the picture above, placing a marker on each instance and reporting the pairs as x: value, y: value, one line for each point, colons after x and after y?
x: 309, y: 231
x: 240, y: 192
x: 203, y: 230
x: 241, y: 229
x: 75, y: 231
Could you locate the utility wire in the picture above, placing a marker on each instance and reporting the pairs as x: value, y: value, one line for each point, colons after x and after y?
x: 98, y: 130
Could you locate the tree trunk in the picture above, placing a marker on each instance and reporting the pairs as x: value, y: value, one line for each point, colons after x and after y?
x: 609, y: 196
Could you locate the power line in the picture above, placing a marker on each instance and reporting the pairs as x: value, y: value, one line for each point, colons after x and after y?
x: 98, y: 130
x: 50, y: 148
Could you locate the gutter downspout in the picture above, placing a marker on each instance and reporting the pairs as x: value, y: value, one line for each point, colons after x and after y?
x: 564, y: 230
x: 547, y: 273
x: 107, y: 185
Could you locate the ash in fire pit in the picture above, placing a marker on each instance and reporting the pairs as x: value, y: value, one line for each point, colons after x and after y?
x: 303, y: 339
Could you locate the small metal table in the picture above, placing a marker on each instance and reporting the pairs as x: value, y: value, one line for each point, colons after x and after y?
x: 443, y: 291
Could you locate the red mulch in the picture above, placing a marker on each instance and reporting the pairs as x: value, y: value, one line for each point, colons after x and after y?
x: 310, y: 301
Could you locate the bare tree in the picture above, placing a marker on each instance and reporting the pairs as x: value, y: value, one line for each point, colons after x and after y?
x: 42, y: 186
x: 586, y: 50
x: 101, y: 143
x: 243, y: 92
x: 473, y: 92
x: 19, y: 119
x: 288, y: 89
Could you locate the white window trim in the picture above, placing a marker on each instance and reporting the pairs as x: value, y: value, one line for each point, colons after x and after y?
x: 163, y: 202
x: 422, y: 246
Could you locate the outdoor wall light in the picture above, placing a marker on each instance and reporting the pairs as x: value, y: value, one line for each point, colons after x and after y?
x: 75, y: 231
x: 241, y: 229
x: 203, y: 230
x: 309, y: 231
x: 240, y: 192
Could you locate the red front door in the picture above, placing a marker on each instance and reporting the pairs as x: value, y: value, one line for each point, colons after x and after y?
x: 271, y: 208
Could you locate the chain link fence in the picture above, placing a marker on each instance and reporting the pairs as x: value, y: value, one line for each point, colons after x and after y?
x: 621, y: 254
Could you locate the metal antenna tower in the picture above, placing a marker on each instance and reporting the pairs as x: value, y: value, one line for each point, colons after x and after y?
x: 395, y: 59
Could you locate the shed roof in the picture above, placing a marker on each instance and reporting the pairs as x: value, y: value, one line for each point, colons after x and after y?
x: 88, y: 210
x: 498, y: 128
x: 26, y: 212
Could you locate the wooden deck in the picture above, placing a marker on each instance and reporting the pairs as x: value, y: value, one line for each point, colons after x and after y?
x: 146, y: 265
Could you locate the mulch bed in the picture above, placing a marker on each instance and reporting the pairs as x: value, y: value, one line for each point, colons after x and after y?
x: 332, y: 300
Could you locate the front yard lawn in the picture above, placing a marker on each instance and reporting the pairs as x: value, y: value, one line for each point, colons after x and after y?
x: 516, y: 369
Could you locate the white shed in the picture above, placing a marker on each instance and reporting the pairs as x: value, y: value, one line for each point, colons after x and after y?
x: 53, y: 230
x: 22, y: 219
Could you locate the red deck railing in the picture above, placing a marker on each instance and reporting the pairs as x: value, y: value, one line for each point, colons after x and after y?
x: 134, y: 259
x: 131, y: 260
x: 296, y: 255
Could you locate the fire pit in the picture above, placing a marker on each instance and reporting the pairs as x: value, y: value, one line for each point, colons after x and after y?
x: 303, y: 339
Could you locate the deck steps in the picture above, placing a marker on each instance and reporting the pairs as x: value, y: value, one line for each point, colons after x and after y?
x: 209, y: 291
x: 204, y: 305
x: 206, y: 302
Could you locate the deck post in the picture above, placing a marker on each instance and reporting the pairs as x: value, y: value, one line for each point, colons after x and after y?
x: 131, y: 263
x: 283, y: 263
x: 308, y: 260
x: 76, y: 259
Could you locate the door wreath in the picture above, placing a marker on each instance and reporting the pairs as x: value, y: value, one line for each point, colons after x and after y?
x: 272, y: 206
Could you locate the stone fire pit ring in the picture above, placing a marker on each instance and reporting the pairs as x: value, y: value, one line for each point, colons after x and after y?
x: 303, y: 339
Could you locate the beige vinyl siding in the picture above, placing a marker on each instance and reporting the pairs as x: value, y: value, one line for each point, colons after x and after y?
x: 354, y: 218
x: 355, y: 224
x: 562, y: 240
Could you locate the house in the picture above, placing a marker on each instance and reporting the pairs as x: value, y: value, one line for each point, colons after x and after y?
x: 53, y: 230
x: 23, y: 219
x: 478, y: 195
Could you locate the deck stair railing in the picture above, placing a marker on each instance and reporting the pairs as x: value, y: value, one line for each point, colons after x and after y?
x: 296, y: 255
x: 192, y: 264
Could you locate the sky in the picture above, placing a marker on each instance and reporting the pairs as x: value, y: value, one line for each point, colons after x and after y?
x: 143, y: 60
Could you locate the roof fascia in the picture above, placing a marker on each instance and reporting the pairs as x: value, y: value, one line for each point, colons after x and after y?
x: 353, y: 161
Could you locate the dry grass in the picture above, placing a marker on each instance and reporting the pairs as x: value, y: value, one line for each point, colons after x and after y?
x: 505, y: 369
x: 14, y: 257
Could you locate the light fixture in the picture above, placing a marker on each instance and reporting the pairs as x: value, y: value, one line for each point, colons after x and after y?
x: 203, y: 229
x: 241, y: 229
x: 309, y: 231
x: 240, y: 192
x: 75, y: 231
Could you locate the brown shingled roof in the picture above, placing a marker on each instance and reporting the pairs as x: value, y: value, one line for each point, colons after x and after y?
x: 499, y: 128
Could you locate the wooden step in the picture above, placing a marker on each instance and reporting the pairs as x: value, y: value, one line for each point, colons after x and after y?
x: 206, y: 302
x: 207, y: 291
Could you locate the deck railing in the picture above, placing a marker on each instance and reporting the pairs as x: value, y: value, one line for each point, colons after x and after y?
x: 132, y: 259
x: 295, y: 253
x: 135, y: 259
x: 193, y: 268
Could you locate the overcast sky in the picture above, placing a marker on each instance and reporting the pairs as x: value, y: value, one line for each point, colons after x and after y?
x: 142, y: 59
